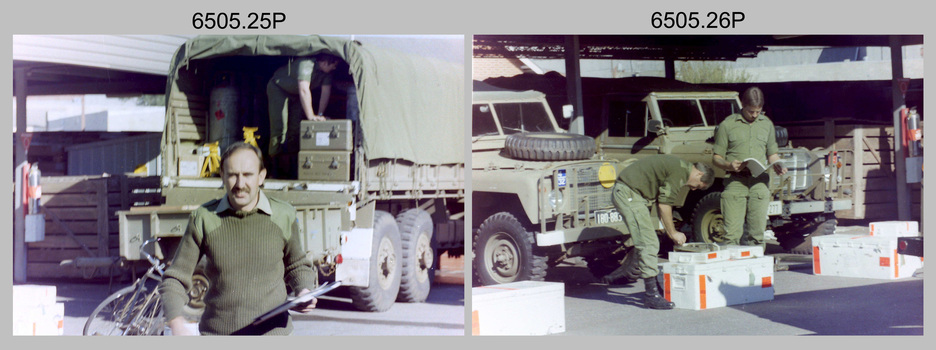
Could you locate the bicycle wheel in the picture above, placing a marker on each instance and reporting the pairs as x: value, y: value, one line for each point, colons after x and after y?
x: 123, y: 314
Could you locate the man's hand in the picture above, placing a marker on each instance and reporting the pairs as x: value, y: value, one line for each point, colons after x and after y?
x: 317, y: 118
x: 780, y: 169
x: 177, y: 325
x: 678, y: 237
x: 306, y: 307
x: 736, y: 166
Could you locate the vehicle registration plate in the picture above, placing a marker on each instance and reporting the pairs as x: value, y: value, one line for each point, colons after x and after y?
x: 608, y: 216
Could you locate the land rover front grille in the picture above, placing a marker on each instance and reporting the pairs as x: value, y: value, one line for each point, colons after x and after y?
x: 588, y: 187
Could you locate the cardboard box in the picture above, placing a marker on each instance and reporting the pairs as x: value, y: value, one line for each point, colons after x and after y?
x: 518, y: 308
x: 862, y: 256
x: 328, y: 135
x: 730, y: 282
x: 894, y: 228
x: 324, y: 165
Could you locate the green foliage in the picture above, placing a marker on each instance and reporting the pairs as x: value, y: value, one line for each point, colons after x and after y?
x: 702, y: 72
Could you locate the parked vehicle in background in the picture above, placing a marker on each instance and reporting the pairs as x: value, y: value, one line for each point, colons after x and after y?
x: 632, y: 118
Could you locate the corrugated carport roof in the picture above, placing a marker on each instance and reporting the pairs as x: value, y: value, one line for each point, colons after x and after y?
x: 95, y: 64
x: 660, y: 47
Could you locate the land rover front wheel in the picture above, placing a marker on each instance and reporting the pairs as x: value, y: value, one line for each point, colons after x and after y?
x: 708, y: 223
x: 503, y: 252
x: 549, y: 146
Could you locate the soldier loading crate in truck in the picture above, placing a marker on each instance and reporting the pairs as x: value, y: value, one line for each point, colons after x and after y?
x: 636, y: 117
x: 379, y: 195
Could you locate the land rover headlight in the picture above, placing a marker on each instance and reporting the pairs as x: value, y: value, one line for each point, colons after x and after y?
x: 555, y: 198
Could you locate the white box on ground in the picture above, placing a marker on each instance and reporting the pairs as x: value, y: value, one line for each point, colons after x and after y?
x: 518, y: 308
x: 698, y: 257
x: 862, y: 256
x: 717, y: 284
x: 894, y: 228
x: 744, y: 251
x: 39, y: 320
x: 33, y: 294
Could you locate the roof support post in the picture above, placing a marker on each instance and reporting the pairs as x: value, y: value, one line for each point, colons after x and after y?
x: 19, y: 213
x: 574, y: 84
x: 900, y: 166
x: 669, y: 67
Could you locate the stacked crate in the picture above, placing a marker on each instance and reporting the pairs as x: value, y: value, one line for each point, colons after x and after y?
x: 867, y: 256
x: 325, y: 150
x: 722, y: 276
x: 35, y: 311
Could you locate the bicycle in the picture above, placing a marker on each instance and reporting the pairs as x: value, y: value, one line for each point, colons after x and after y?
x: 133, y: 310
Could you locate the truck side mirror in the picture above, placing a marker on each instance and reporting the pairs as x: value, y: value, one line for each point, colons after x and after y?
x: 655, y: 126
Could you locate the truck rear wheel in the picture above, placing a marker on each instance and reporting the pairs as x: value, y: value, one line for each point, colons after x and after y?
x: 549, y: 146
x: 503, y: 252
x: 384, y: 279
x: 418, y: 267
x: 708, y: 223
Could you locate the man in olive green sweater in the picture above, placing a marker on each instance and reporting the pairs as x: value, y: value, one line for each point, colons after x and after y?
x: 251, y: 246
x: 658, y: 178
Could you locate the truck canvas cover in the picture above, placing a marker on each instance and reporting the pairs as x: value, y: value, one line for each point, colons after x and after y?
x: 411, y: 107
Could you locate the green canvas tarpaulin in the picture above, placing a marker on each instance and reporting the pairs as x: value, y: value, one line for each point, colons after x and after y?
x: 411, y: 107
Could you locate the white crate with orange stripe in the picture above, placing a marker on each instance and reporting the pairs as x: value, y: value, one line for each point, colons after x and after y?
x: 741, y: 275
x: 36, y: 312
x: 862, y: 256
x: 894, y: 228
x: 518, y: 308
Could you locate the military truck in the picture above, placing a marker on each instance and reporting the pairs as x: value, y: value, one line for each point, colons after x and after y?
x: 632, y: 118
x: 380, y: 227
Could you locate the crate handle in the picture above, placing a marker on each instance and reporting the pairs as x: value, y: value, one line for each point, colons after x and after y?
x: 334, y: 132
x: 334, y: 164
x: 308, y: 133
x: 308, y: 163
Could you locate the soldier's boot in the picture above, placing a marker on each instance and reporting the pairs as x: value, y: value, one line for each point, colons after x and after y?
x: 652, y: 297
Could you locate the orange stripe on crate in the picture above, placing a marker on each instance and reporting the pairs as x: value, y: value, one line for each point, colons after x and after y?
x: 666, y: 287
x: 766, y: 282
x: 746, y: 253
x: 712, y: 255
x: 815, y: 261
x: 702, y: 295
x: 871, y: 232
x: 896, y: 264
x: 501, y: 288
x: 475, y: 324
x: 884, y: 261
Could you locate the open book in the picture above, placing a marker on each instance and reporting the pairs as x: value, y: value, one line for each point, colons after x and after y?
x: 757, y: 168
x: 292, y: 302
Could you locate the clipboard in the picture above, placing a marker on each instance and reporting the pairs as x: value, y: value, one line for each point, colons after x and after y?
x: 290, y: 303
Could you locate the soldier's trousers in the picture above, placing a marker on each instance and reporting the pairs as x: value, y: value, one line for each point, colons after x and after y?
x: 744, y: 206
x: 636, y: 213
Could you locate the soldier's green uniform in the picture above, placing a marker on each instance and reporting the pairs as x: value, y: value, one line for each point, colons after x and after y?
x: 285, y: 85
x: 652, y: 179
x: 745, y: 198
